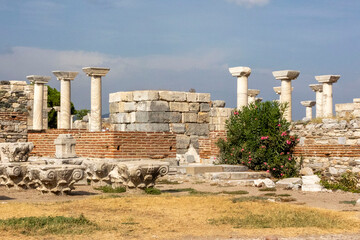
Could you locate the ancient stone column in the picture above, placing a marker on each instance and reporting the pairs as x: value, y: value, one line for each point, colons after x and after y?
x: 242, y: 74
x: 318, y: 89
x: 286, y: 76
x: 38, y: 82
x: 57, y: 109
x: 65, y: 97
x: 308, y: 105
x: 327, y: 81
x: 95, y: 73
x: 277, y: 90
x: 252, y: 93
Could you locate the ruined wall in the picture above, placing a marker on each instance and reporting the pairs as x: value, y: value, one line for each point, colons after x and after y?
x: 331, y: 144
x: 13, y: 112
x: 347, y: 110
x: 121, y: 145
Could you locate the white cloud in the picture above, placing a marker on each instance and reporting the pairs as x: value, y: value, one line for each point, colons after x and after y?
x: 249, y: 3
x: 174, y: 72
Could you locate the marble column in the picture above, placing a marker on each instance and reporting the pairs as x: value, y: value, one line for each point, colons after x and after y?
x: 286, y: 76
x: 327, y: 82
x: 242, y: 74
x: 39, y: 82
x: 277, y: 90
x: 308, y: 105
x: 57, y: 109
x: 95, y: 73
x: 252, y: 93
x: 65, y: 97
x: 318, y: 89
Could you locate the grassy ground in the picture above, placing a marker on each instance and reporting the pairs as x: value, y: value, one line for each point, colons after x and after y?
x: 115, y: 216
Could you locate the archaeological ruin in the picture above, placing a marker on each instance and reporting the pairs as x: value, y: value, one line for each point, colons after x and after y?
x: 152, y: 133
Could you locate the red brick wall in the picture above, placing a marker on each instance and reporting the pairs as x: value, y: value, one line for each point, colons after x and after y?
x: 327, y: 150
x: 208, y: 146
x: 13, y: 127
x: 124, y: 145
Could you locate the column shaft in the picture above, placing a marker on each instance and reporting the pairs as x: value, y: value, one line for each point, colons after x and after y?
x: 309, y: 112
x: 251, y: 99
x: 65, y: 105
x: 95, y: 104
x: 38, y: 106
x: 319, y: 104
x: 327, y: 100
x: 286, y: 98
x: 242, y: 92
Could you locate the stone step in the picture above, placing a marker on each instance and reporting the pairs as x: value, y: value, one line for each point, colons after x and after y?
x: 230, y: 183
x: 236, y: 175
x: 202, y: 169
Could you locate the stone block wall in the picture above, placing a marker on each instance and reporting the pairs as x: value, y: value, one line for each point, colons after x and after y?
x: 331, y: 144
x: 119, y: 145
x: 183, y: 113
x: 346, y: 110
x: 13, y: 127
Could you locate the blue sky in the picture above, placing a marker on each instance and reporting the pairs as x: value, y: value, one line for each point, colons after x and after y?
x: 183, y: 44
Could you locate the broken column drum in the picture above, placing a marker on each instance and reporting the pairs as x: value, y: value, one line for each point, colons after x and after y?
x: 308, y: 105
x: 39, y: 82
x: 286, y: 76
x: 65, y: 97
x: 242, y: 74
x: 95, y: 73
x: 252, y: 93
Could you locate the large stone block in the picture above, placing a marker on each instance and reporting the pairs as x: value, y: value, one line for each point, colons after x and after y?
x: 203, y: 97
x: 203, y: 117
x: 118, y: 127
x: 129, y: 106
x: 199, y: 129
x: 148, y: 127
x: 194, y: 141
x: 150, y: 117
x: 191, y: 97
x: 148, y: 95
x: 194, y: 107
x: 155, y: 106
x: 116, y: 107
x: 121, y: 97
x: 182, y: 141
x: 120, y: 118
x: 177, y: 127
x: 172, y: 96
x: 179, y: 106
x: 218, y: 104
x: 204, y: 107
x: 175, y: 117
x: 65, y: 146
x: 189, y: 117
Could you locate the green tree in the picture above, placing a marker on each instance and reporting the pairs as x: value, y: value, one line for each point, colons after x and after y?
x: 54, y: 100
x: 81, y: 113
x: 258, y: 137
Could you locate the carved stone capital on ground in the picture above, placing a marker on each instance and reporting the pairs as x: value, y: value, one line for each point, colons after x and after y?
x: 15, y: 152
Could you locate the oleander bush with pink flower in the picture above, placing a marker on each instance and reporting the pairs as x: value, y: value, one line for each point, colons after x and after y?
x: 258, y: 137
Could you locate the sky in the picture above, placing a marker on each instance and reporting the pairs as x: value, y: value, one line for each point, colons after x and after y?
x: 182, y: 44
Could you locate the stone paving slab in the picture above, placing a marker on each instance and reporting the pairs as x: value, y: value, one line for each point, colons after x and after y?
x: 236, y: 175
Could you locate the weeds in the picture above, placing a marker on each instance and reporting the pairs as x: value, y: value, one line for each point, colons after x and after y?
x: 248, y: 199
x: 267, y: 189
x: 152, y: 191
x: 353, y: 202
x: 48, y: 225
x: 167, y: 182
x: 110, y: 189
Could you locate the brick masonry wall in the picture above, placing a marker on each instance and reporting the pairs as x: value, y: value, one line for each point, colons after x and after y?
x: 208, y: 146
x: 120, y: 145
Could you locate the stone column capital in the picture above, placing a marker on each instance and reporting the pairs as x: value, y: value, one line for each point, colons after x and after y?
x: 286, y: 74
x: 38, y: 79
x: 240, y: 71
x: 327, y: 78
x: 253, y: 92
x: 65, y: 75
x: 308, y: 103
x: 316, y: 87
x: 96, y: 71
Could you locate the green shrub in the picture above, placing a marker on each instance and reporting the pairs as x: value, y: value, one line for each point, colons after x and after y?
x: 110, y: 189
x: 258, y: 137
x: 152, y: 191
x: 347, y: 182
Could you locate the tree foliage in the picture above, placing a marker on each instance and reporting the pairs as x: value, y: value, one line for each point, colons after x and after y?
x: 258, y: 137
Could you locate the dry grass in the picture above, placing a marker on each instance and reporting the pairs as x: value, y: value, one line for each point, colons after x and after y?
x: 171, y: 217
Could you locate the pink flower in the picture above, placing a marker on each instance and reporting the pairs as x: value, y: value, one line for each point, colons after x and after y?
x: 288, y: 142
x: 236, y: 113
x: 231, y: 154
x: 250, y: 159
x: 298, y: 139
x: 274, y: 169
x: 265, y: 163
x: 283, y: 133
x: 282, y: 166
x: 242, y: 162
x: 249, y: 152
x: 281, y: 153
x: 242, y: 150
x: 279, y: 125
x: 225, y: 160
x: 289, y: 158
x: 233, y: 149
x: 255, y: 118
x: 267, y: 171
x: 214, y: 157
x: 282, y: 174
x: 288, y: 153
x: 249, y: 162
